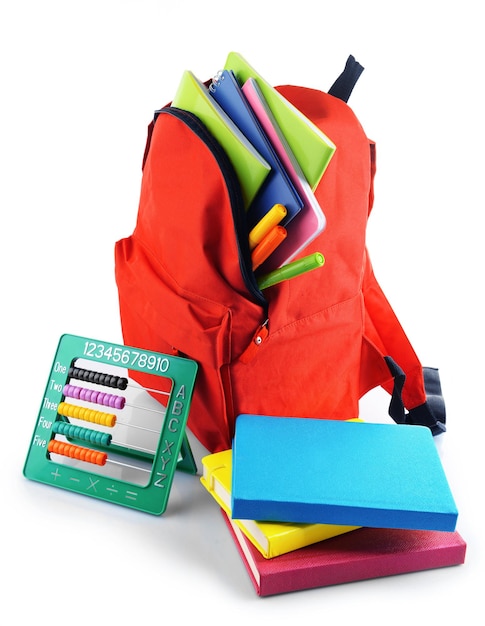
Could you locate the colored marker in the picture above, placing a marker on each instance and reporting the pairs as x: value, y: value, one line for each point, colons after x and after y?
x: 265, y: 224
x: 290, y: 270
x: 267, y: 245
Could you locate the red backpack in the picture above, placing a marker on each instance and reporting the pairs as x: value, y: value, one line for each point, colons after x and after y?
x: 311, y: 346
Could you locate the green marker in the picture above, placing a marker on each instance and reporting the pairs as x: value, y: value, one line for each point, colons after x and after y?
x: 290, y: 270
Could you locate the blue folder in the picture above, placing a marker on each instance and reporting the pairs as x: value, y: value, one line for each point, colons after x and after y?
x: 277, y: 188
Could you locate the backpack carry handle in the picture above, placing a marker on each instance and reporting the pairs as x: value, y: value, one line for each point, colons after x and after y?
x: 345, y: 83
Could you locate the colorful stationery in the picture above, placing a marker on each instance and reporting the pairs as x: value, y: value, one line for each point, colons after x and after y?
x: 311, y: 147
x: 278, y: 187
x: 337, y: 472
x: 251, y: 168
x: 360, y: 555
x: 310, y: 221
x: 271, y: 539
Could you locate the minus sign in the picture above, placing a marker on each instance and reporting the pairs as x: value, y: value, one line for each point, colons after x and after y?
x: 76, y: 480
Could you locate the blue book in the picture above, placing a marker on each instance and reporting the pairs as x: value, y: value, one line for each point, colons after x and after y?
x: 307, y: 470
x: 278, y: 187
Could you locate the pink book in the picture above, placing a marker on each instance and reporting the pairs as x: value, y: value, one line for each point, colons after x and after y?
x: 310, y: 221
x: 360, y: 555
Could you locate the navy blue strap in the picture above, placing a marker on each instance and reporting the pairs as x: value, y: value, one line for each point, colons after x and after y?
x: 432, y: 413
x: 343, y: 86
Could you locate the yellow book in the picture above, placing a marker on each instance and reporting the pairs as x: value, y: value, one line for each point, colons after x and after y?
x: 251, y: 168
x: 311, y: 147
x: 271, y: 539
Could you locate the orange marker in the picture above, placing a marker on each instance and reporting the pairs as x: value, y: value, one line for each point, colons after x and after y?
x: 267, y: 245
x: 265, y: 224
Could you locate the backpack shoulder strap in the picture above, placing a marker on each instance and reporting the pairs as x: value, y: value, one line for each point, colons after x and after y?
x: 416, y: 396
x: 431, y: 412
x: 345, y: 83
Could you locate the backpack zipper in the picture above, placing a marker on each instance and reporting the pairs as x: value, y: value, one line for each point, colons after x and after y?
x: 235, y: 197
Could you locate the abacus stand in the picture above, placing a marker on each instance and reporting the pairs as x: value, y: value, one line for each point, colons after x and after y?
x: 186, y: 462
x: 108, y: 462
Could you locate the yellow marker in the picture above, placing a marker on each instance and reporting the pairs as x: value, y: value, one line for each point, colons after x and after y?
x: 265, y: 224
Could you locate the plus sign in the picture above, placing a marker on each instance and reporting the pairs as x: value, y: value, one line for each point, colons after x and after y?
x: 56, y: 474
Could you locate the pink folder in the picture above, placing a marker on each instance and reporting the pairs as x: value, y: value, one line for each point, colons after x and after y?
x: 310, y: 221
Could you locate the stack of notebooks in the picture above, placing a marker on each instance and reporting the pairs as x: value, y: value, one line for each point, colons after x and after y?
x: 311, y: 503
x: 278, y: 154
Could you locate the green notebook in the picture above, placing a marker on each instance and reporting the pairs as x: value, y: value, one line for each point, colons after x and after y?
x: 312, y: 148
x: 251, y: 169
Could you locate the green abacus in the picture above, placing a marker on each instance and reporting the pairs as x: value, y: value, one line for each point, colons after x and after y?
x: 130, y: 455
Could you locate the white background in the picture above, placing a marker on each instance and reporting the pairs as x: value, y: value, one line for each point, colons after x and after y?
x: 80, y: 82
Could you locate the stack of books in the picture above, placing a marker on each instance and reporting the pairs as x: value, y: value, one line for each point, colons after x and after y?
x: 311, y: 503
x: 279, y: 157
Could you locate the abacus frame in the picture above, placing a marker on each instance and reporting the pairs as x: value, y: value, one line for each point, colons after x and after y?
x: 173, y: 449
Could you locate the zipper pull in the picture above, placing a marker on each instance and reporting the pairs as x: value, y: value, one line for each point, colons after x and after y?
x: 258, y: 338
